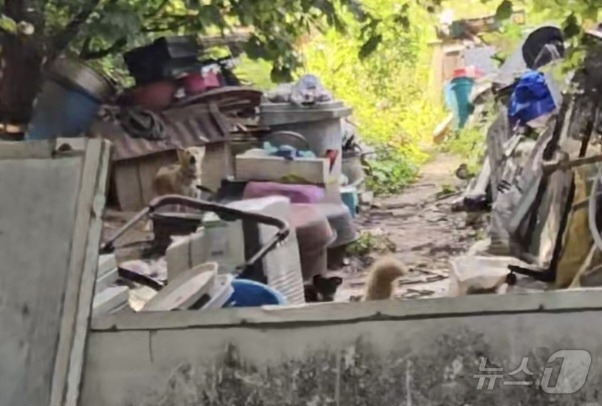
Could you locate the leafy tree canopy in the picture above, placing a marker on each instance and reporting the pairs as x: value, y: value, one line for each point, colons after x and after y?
x: 96, y: 28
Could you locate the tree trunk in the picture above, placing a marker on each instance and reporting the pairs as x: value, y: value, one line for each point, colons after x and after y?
x: 20, y: 68
x: 20, y: 81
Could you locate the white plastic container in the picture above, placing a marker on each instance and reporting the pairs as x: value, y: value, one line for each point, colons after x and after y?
x: 320, y: 124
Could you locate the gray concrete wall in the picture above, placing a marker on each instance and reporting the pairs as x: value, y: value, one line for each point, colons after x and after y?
x: 50, y: 226
x: 418, y: 353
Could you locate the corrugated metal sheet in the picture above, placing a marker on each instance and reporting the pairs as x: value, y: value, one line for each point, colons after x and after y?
x: 194, y: 125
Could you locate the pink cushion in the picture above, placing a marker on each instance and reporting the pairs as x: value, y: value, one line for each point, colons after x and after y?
x: 298, y: 194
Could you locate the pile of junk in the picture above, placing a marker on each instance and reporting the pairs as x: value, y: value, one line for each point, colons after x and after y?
x: 540, y: 176
x: 280, y: 178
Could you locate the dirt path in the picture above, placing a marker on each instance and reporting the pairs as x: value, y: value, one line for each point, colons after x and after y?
x: 424, y: 231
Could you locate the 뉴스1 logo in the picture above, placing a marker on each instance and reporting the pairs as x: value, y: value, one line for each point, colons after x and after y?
x: 565, y: 373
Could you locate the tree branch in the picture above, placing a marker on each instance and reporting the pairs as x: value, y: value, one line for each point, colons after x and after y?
x: 16, y: 9
x: 86, y: 46
x: 62, y: 39
x: 114, y: 48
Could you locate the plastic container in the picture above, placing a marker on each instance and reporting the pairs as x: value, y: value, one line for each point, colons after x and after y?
x: 253, y: 294
x: 61, y: 112
x: 350, y: 199
x: 298, y: 194
x: 70, y: 98
x: 221, y: 294
x: 152, y: 62
x: 155, y: 96
x: 314, y: 235
x: 341, y: 223
x: 459, y: 99
x: 320, y: 125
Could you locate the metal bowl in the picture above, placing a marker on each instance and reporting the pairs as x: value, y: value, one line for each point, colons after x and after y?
x: 75, y: 73
x: 293, y: 139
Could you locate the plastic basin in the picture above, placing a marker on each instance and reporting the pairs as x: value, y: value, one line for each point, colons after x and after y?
x: 253, y: 294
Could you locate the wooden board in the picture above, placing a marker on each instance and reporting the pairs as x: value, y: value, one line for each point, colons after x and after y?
x: 127, y: 185
x: 147, y: 171
x: 134, y: 178
x: 185, y: 290
x: 109, y: 300
x: 49, y: 237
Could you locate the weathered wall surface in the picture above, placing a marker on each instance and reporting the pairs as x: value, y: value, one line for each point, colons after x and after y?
x: 420, y: 353
x: 51, y: 201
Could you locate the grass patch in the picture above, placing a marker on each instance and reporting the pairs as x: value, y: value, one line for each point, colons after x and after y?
x: 390, y: 173
x: 371, y: 242
x: 469, y: 144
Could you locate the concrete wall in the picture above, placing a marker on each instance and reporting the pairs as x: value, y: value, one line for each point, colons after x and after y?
x: 51, y: 201
x: 417, y: 353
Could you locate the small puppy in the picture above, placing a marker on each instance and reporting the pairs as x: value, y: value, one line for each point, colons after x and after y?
x: 183, y: 178
x: 322, y: 290
x: 381, y: 279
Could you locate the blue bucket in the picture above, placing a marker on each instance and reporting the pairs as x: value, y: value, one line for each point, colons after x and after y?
x: 61, y: 112
x: 457, y: 97
x: 350, y: 199
x: 252, y: 294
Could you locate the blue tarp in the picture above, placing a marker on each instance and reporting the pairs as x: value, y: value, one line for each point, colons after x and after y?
x: 531, y: 98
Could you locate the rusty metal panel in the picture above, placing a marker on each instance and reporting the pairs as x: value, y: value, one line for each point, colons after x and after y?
x: 195, y: 125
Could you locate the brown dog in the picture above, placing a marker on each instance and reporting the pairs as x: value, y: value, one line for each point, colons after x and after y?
x: 381, y: 279
x: 183, y: 178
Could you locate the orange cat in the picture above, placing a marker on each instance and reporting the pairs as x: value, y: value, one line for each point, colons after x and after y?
x: 382, y: 277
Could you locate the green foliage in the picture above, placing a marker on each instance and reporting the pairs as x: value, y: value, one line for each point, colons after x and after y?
x: 471, y: 8
x: 446, y: 190
x: 469, y: 145
x: 385, y: 81
x: 371, y: 242
x: 7, y: 24
x: 391, y: 171
x: 95, y: 29
x: 575, y: 16
x: 255, y: 72
x: 363, y: 246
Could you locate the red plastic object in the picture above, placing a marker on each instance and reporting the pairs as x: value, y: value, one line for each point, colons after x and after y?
x: 156, y: 96
x: 332, y: 156
x: 211, y: 80
x: 467, y: 72
x: 194, y: 84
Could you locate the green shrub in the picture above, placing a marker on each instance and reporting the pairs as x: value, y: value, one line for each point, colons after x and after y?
x: 388, y: 90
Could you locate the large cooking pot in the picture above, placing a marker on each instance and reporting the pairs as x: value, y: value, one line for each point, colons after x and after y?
x: 75, y: 73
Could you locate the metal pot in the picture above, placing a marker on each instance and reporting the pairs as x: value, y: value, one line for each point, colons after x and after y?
x: 77, y: 74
